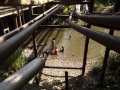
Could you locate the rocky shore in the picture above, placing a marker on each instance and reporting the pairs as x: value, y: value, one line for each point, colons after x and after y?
x: 54, y: 78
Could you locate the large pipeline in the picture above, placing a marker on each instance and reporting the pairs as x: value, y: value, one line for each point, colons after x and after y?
x: 112, y: 42
x: 9, y: 46
x: 19, y: 79
x: 108, y: 20
x: 8, y: 35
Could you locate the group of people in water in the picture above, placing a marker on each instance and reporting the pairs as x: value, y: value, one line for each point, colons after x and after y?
x: 53, y: 50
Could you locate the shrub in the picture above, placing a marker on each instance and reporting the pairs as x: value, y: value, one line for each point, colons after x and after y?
x: 13, y: 63
x: 112, y: 79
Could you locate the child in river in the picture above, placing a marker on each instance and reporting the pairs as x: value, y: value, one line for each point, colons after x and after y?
x: 46, y: 52
x: 62, y: 49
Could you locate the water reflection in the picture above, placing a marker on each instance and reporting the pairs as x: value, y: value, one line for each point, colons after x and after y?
x: 74, y: 48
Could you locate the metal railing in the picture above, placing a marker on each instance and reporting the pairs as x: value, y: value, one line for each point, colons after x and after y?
x: 111, y: 42
x: 8, y: 35
x: 19, y: 79
x: 19, y: 38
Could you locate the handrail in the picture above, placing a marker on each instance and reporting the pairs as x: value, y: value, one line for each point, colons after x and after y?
x: 20, y: 78
x: 8, y: 35
x: 112, y: 42
x: 108, y: 20
x: 10, y: 45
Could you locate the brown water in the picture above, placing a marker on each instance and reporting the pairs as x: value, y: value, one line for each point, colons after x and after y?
x: 74, y: 48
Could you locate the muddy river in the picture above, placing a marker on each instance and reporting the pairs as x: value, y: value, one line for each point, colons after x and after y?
x: 74, y: 47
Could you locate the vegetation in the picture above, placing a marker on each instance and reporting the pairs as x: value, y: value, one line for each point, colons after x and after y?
x: 112, y: 79
x: 13, y: 63
x: 101, y: 4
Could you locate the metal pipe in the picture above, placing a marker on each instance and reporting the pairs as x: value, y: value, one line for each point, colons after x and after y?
x: 8, y: 35
x: 2, y: 25
x: 23, y: 20
x: 108, y: 20
x: 66, y: 80
x: 20, y: 78
x: 85, y: 55
x: 57, y: 67
x: 34, y: 44
x: 54, y: 26
x: 91, y: 6
x: 117, y: 6
x: 87, y: 39
x: 15, y: 23
x: 10, y: 45
x: 112, y: 42
x: 105, y: 59
x: 19, y: 16
x: 111, y: 32
x: 33, y: 35
x: 57, y: 15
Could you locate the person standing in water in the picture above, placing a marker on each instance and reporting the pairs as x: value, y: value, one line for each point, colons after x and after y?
x: 53, y: 43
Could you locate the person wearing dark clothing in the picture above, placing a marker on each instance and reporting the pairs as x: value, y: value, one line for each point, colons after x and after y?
x: 62, y: 49
x: 46, y: 52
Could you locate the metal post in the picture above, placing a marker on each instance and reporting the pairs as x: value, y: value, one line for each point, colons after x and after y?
x: 87, y: 42
x: 33, y: 35
x: 91, y: 6
x: 117, y: 6
x: 34, y: 44
x: 2, y: 25
x: 23, y: 20
x: 105, y: 59
x: 43, y: 6
x: 85, y: 55
x: 15, y: 21
x: 111, y: 32
x: 68, y: 10
x: 6, y: 27
x: 66, y: 80
x: 19, y: 16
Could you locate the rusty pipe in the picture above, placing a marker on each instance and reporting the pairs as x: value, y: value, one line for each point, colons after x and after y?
x: 20, y: 78
x: 12, y: 33
x: 108, y: 20
x: 112, y: 42
x: 13, y: 43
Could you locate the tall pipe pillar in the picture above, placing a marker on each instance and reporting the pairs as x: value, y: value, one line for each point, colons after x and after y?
x: 33, y: 35
x: 15, y: 20
x: 23, y: 20
x: 19, y: 16
x: 2, y: 25
x: 87, y: 42
x: 111, y: 32
x: 44, y: 9
x: 6, y: 27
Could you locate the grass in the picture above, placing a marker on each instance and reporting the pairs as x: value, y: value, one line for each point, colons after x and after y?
x: 112, y: 79
x: 100, y: 5
x: 13, y: 63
